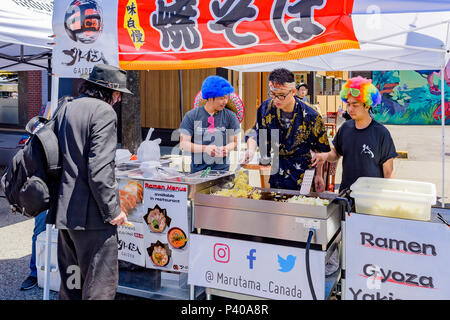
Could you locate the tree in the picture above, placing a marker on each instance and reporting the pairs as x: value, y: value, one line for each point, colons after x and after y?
x: 131, y: 114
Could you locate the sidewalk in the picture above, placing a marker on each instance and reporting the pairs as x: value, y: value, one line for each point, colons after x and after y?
x: 15, y: 252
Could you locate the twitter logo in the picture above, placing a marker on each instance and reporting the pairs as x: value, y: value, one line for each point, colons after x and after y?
x: 287, y: 264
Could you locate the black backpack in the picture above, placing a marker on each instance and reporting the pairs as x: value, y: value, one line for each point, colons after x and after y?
x: 31, y: 180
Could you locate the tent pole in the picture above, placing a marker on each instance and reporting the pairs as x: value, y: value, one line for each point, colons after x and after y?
x: 48, y: 227
x: 443, y: 134
x: 240, y: 134
x: 180, y: 81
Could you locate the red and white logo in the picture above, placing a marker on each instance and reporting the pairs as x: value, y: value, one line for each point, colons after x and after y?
x: 221, y: 253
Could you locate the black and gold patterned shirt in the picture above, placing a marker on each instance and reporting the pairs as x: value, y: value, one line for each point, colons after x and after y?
x: 290, y: 143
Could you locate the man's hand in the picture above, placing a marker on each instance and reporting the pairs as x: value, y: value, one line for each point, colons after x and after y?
x: 120, y: 220
x: 223, y: 151
x: 248, y: 155
x: 319, y: 183
x: 212, y: 150
x: 319, y: 159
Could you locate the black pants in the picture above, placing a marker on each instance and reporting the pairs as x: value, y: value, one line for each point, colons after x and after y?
x: 88, y: 264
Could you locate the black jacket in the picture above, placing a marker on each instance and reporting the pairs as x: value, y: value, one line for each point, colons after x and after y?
x: 88, y: 193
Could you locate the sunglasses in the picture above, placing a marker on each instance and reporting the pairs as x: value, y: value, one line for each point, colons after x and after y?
x: 353, y: 91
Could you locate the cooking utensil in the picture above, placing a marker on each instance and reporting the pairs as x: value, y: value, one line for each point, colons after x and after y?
x: 205, y: 172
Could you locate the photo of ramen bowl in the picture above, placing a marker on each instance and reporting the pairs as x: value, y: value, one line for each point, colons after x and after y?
x: 177, y: 238
x: 159, y: 254
x: 157, y: 219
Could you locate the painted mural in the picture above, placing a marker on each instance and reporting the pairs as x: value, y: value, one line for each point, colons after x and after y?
x: 411, y: 97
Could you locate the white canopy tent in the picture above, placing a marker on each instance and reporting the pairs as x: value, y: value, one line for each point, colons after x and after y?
x: 25, y: 45
x: 388, y: 41
x: 25, y: 35
x: 401, y: 36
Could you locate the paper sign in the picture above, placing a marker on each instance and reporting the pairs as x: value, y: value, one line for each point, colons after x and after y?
x: 308, y: 179
x: 131, y: 244
x: 166, y: 229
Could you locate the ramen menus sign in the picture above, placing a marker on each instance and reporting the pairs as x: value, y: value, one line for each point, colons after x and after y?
x: 389, y: 259
x: 159, y: 225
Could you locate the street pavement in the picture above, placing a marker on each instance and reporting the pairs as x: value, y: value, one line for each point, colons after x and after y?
x: 422, y: 143
x: 15, y: 252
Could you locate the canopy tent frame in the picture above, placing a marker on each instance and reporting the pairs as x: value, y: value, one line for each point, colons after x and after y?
x: 23, y: 59
x: 379, y: 42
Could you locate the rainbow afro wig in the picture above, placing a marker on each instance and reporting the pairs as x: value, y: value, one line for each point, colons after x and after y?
x: 362, y: 89
x: 215, y: 86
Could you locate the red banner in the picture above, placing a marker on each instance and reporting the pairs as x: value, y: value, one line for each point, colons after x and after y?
x: 188, y: 34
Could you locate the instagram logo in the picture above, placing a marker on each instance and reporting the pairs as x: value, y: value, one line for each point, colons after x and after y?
x: 221, y: 253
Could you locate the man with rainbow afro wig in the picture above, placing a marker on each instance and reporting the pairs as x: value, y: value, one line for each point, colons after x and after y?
x: 366, y: 146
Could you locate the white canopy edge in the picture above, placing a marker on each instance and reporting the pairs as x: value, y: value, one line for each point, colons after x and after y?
x: 400, y: 41
x: 25, y: 34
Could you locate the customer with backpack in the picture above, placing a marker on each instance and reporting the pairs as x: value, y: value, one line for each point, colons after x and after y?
x: 39, y: 226
x: 87, y: 210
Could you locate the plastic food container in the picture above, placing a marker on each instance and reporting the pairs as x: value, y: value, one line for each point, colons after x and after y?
x: 149, y: 168
x: 394, y: 198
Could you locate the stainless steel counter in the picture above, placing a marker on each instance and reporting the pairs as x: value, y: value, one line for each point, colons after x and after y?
x: 267, y: 218
x: 194, y: 181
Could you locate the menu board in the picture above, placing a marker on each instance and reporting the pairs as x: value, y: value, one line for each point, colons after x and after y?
x: 131, y: 195
x: 165, y: 229
x: 131, y: 244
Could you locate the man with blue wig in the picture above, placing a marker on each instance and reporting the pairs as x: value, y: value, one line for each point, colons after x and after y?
x: 211, y: 131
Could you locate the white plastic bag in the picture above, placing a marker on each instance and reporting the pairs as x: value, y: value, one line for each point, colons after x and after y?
x: 149, y: 150
x: 122, y: 155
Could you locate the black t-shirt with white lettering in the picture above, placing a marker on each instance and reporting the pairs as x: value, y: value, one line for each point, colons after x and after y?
x: 363, y: 150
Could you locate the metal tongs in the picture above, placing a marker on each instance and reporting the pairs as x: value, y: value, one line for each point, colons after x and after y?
x: 440, y: 217
x: 205, y: 172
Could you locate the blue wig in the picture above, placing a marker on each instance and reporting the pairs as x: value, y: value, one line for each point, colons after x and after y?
x: 215, y: 86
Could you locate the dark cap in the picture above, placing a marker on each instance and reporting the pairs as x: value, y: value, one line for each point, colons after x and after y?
x: 301, y: 85
x: 109, y: 77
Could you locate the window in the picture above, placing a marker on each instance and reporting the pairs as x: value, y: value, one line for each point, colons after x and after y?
x: 337, y: 86
x: 329, y: 86
x: 319, y: 85
x: 9, y: 106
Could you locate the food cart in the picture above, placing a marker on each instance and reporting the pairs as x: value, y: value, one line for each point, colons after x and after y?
x: 387, y: 43
x: 157, y: 238
x: 275, y: 245
x: 275, y: 228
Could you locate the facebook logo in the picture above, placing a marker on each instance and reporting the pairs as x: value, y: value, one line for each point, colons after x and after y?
x: 251, y: 257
